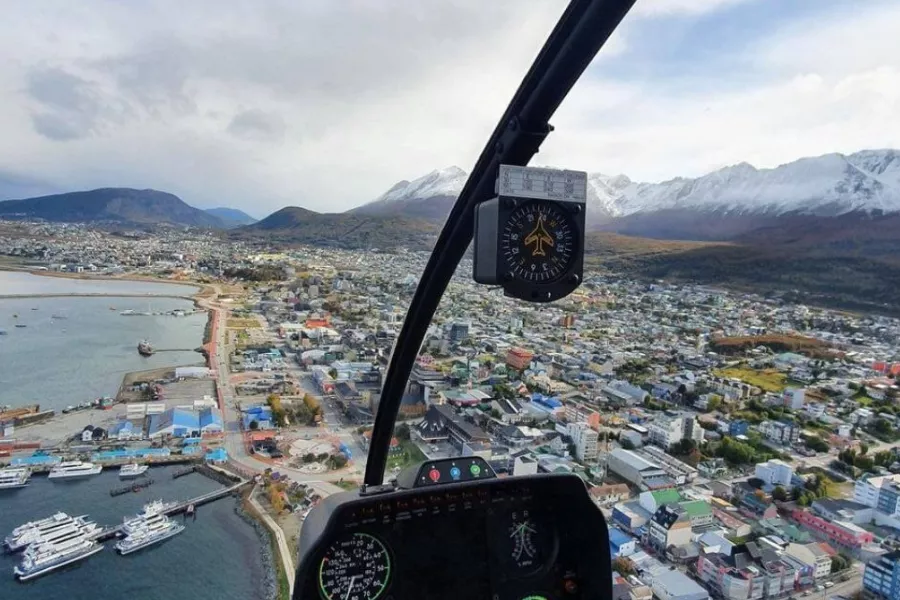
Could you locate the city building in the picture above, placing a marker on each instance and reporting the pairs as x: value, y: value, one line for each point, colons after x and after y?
x: 843, y: 510
x: 842, y: 534
x: 681, y: 472
x: 667, y: 430
x: 610, y: 493
x: 775, y: 472
x: 525, y: 465
x: 182, y: 422
x: 459, y: 332
x: 675, y: 585
x: 653, y: 501
x: 621, y: 544
x: 881, y: 493
x: 670, y: 526
x: 882, y: 576
x: 585, y: 440
x: 813, y: 556
x: 779, y: 432
x: 794, y: 398
x: 641, y: 472
x: 519, y: 358
x: 699, y: 512
x: 442, y: 423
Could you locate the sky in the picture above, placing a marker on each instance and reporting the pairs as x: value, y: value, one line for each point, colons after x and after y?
x: 325, y: 104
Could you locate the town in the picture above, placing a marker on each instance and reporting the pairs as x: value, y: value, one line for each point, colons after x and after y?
x: 741, y: 446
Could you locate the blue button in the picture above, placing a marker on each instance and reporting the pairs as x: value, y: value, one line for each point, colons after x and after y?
x: 454, y: 472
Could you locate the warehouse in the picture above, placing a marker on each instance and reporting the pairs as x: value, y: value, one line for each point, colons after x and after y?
x: 185, y: 422
x: 638, y: 470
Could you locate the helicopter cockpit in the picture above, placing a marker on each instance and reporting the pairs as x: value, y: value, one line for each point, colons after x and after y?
x: 451, y: 528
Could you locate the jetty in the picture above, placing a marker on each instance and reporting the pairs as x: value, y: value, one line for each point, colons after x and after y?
x: 111, y: 532
x: 134, y: 487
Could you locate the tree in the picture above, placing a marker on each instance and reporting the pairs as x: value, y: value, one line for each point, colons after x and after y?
x: 309, y: 457
x: 838, y: 563
x: 623, y: 566
x: 883, y: 426
x: 780, y: 494
x: 254, y: 425
x: 884, y: 458
x: 401, y: 432
x: 338, y: 461
x: 626, y: 444
x: 684, y: 447
x: 865, y: 463
x: 863, y: 448
x: 714, y: 403
x: 816, y: 443
x: 276, y: 499
x: 495, y: 413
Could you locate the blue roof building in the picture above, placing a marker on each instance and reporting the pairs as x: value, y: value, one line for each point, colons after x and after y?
x: 261, y: 414
x: 219, y: 455
x: 184, y: 422
x: 620, y: 543
x: 123, y: 430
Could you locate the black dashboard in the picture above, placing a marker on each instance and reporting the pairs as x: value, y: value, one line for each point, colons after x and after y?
x: 537, y: 537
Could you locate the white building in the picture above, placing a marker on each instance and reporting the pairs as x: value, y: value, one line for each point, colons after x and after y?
x: 775, y: 472
x: 638, y: 470
x: 585, y: 440
x: 779, y: 432
x: 525, y: 465
x: 665, y: 432
x: 812, y: 556
x: 794, y: 398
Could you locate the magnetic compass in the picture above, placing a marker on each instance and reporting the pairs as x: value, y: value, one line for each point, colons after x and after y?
x: 530, y: 239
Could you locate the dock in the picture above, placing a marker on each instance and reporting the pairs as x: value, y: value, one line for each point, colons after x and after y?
x: 111, y: 532
x: 134, y: 487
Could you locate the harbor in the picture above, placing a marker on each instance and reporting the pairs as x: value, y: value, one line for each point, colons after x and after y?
x: 230, y: 546
x: 67, y: 366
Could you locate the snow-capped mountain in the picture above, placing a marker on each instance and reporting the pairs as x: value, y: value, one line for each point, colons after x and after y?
x: 429, y: 196
x: 825, y: 185
x: 733, y: 199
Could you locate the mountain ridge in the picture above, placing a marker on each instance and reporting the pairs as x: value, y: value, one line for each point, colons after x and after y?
x: 827, y: 185
x: 231, y: 217
x: 122, y: 205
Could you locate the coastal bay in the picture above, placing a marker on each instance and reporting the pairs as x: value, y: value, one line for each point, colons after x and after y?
x: 76, y: 348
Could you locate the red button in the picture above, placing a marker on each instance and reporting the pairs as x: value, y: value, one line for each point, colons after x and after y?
x: 434, y: 475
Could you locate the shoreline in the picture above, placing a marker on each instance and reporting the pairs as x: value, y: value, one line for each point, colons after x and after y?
x: 203, y: 290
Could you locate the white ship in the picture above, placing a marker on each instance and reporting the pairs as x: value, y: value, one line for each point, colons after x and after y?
x: 157, y: 508
x: 42, y: 558
x: 20, y: 536
x: 132, y: 470
x: 147, y: 532
x: 14, y: 478
x: 75, y: 468
x: 36, y: 537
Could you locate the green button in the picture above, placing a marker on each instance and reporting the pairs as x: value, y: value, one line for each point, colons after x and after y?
x: 475, y: 470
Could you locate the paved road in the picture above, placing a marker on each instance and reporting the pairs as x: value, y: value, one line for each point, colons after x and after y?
x: 234, y: 444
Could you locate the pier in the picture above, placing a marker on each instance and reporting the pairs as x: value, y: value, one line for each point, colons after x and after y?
x: 111, y: 532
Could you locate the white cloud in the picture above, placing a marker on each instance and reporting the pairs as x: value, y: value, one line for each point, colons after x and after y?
x: 326, y: 105
x: 811, y: 103
x: 656, y: 8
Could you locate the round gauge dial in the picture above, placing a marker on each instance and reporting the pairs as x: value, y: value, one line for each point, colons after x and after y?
x: 538, y: 242
x: 528, y: 544
x: 355, y: 567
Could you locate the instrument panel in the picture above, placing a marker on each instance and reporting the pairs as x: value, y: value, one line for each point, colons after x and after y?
x: 530, y: 538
